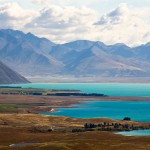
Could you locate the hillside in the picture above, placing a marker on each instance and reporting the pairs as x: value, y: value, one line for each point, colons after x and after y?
x: 27, y: 53
x: 8, y: 76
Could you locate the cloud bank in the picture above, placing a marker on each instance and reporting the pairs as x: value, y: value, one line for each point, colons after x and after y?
x: 63, y: 24
x: 125, y: 26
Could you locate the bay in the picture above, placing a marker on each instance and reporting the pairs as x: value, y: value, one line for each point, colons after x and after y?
x: 136, y: 110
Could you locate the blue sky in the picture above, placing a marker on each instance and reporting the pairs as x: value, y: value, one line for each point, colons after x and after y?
x: 109, y: 21
x: 103, y: 6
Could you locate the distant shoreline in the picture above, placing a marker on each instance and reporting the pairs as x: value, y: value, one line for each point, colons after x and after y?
x: 72, y: 79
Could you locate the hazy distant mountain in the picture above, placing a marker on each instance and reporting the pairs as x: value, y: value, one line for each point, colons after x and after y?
x: 79, y: 44
x: 143, y: 52
x: 87, y: 58
x: 8, y: 76
x: 30, y: 55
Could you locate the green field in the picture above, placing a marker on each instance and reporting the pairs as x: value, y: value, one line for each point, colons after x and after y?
x: 11, y: 107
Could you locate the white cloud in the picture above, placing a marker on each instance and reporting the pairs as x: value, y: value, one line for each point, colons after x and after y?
x: 13, y: 16
x: 63, y: 24
x: 124, y: 26
x: 39, y: 1
x: 67, y: 2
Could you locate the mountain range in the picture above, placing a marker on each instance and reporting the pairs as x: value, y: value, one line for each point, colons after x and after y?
x: 31, y: 55
x: 8, y: 76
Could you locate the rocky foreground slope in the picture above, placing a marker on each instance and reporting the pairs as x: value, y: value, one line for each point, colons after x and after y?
x: 8, y: 76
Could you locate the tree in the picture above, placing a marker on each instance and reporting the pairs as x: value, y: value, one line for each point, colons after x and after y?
x: 127, y: 118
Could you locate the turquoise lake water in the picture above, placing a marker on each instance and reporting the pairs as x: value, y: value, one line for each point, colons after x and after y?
x: 136, y: 110
x: 110, y: 89
x: 136, y: 133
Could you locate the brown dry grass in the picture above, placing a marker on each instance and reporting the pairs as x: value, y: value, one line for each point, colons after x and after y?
x: 29, y: 120
x: 18, y: 126
x: 71, y: 141
x: 60, y: 100
x: 15, y: 128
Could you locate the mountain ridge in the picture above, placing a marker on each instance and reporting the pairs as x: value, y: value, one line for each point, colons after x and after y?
x: 31, y: 55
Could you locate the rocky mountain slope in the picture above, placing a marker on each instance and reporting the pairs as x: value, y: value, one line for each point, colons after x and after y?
x: 26, y: 53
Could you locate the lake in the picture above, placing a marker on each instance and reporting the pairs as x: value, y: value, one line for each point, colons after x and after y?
x: 137, y: 110
x: 110, y: 89
x: 135, y: 133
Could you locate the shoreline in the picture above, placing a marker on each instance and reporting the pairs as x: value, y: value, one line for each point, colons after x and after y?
x: 35, y: 104
x: 29, y: 104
